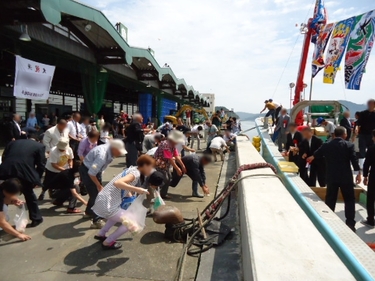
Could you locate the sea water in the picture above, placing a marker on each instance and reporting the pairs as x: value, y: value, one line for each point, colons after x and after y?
x: 245, y: 125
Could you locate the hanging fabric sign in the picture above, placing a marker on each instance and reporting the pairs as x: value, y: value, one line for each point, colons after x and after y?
x: 32, y: 79
x: 321, y: 44
x: 336, y: 48
x: 359, y: 49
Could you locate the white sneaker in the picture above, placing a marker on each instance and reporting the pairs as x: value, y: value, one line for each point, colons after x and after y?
x: 97, y: 225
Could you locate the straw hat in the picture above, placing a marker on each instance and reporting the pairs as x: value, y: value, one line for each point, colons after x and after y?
x: 63, y: 143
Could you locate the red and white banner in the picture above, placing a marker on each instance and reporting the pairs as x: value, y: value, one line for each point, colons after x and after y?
x: 32, y: 79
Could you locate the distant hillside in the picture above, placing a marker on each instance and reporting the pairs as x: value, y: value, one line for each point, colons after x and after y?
x: 244, y: 116
x: 353, y: 107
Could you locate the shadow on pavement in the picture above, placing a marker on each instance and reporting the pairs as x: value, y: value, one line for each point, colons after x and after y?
x: 153, y: 237
x: 65, y: 230
x: 93, y: 259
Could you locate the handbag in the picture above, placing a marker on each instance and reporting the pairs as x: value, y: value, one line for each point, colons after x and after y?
x: 125, y: 200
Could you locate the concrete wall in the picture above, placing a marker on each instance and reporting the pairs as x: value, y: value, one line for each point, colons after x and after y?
x: 278, y: 240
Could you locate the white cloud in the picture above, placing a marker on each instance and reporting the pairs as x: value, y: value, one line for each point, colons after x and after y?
x: 236, y: 49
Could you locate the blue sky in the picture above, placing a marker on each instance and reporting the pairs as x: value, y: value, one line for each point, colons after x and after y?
x: 236, y: 49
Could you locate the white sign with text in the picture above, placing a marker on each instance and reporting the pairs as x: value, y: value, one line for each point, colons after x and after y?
x: 32, y: 79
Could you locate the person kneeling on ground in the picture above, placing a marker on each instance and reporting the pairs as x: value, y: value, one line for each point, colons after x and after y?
x: 216, y: 146
x: 108, y: 202
x: 195, y: 170
x: 9, y: 190
x: 68, y: 188
x: 166, y: 156
x: 60, y: 176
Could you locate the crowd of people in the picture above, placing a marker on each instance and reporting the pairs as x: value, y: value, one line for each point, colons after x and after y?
x: 347, y: 146
x: 67, y: 160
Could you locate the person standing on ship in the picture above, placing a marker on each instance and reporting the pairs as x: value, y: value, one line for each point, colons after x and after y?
x: 365, y: 126
x: 282, y: 128
x: 278, y: 107
x: 328, y: 126
x: 309, y: 145
x: 339, y: 154
x: 271, y: 110
x: 347, y: 124
x: 369, y: 180
x: 293, y: 139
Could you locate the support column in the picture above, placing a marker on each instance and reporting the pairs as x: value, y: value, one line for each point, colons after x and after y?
x: 159, y: 115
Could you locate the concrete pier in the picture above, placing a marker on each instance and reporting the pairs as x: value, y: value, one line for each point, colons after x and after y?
x: 278, y: 240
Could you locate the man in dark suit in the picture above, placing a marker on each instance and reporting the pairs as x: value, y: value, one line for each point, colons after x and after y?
x: 339, y: 154
x: 369, y: 180
x: 293, y: 140
x: 307, y: 148
x: 25, y: 160
x: 347, y: 124
x: 13, y: 129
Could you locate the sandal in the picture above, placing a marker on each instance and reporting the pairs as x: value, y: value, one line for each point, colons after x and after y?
x: 113, y: 246
x: 73, y: 211
x: 100, y: 238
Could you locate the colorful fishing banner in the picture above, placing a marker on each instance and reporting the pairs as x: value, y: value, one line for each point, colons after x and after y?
x: 336, y: 48
x: 319, y: 20
x: 320, y: 46
x: 359, y: 49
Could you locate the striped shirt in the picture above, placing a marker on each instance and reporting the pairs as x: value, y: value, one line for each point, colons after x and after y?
x: 98, y: 159
x: 108, y: 201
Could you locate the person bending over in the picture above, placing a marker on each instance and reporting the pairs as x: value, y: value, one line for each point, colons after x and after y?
x: 108, y: 202
x: 9, y: 190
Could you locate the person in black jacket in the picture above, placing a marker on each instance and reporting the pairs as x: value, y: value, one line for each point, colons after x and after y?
x: 293, y: 140
x: 25, y: 160
x: 369, y: 180
x: 347, y: 124
x: 13, y: 129
x: 307, y: 148
x: 195, y: 170
x: 134, y: 139
x: 364, y: 128
x: 339, y: 154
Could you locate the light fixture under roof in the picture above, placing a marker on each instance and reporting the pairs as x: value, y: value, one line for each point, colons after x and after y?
x: 103, y: 70
x: 148, y: 85
x: 25, y: 34
x: 149, y: 64
x: 31, y: 8
x: 88, y: 27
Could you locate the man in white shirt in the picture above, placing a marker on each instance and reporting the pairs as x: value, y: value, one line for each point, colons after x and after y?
x: 328, y: 126
x: 194, y: 134
x: 74, y: 130
x: 85, y: 122
x: 216, y: 147
x: 54, y: 134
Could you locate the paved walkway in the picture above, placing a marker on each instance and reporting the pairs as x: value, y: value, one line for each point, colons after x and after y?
x: 63, y: 247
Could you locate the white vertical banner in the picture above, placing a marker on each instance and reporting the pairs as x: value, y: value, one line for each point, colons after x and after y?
x: 32, y: 79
